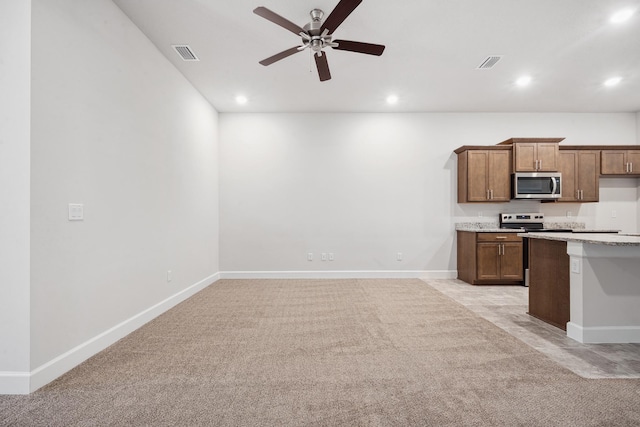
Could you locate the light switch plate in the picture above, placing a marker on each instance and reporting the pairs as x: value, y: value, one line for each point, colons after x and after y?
x: 76, y: 212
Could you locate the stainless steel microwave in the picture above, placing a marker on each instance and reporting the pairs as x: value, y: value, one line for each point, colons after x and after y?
x: 536, y: 185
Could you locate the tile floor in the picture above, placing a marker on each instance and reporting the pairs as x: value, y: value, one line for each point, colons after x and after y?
x: 506, y: 307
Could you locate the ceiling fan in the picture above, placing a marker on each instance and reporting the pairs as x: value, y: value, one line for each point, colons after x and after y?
x: 317, y: 35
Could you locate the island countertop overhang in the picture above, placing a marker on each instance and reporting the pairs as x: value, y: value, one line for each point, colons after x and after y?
x: 591, y: 238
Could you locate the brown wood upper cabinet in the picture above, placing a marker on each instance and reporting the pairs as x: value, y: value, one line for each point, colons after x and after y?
x: 580, y: 175
x: 535, y: 156
x: 620, y: 162
x: 484, y: 175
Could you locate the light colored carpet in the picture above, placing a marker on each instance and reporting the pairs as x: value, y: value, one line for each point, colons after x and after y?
x: 326, y: 353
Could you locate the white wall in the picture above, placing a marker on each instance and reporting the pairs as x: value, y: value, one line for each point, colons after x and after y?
x: 638, y: 142
x: 366, y: 186
x: 116, y: 127
x: 15, y: 76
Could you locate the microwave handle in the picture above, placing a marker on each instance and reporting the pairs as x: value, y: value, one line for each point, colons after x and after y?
x: 555, y: 185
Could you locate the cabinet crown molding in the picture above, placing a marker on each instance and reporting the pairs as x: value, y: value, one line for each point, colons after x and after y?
x: 512, y: 141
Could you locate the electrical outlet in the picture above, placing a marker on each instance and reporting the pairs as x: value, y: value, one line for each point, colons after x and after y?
x: 399, y: 256
x: 330, y: 256
x: 569, y: 214
x: 169, y: 276
x: 614, y: 214
x: 575, y: 265
x: 310, y: 256
x: 76, y: 212
x: 324, y: 256
x: 480, y: 215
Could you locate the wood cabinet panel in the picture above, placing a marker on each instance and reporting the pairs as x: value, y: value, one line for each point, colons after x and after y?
x: 633, y: 158
x: 484, y: 176
x: 478, y: 176
x: 488, y: 261
x: 620, y: 162
x: 511, y: 262
x: 466, y: 252
x: 547, y: 156
x: 499, y: 175
x: 589, y: 175
x: 498, y: 237
x: 613, y: 162
x: 567, y: 166
x: 525, y: 157
x: 549, y: 281
x: 490, y: 258
x: 535, y: 156
x: 580, y: 175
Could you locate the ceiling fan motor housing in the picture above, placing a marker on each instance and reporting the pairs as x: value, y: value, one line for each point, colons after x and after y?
x: 316, y: 41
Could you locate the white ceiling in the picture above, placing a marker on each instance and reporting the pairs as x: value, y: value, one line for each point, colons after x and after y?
x: 568, y: 47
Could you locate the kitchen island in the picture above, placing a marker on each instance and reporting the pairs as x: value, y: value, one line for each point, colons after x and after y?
x: 604, y: 284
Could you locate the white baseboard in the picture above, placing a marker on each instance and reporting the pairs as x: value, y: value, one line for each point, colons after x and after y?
x: 27, y: 382
x: 14, y: 382
x: 603, y: 334
x: 346, y: 274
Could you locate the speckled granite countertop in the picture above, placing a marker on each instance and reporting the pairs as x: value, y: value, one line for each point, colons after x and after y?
x: 484, y: 227
x: 494, y: 227
x: 596, y: 238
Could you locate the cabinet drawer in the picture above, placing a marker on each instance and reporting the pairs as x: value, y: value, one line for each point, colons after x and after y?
x: 498, y: 237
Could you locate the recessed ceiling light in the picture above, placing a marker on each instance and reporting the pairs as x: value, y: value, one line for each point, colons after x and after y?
x: 392, y: 99
x: 612, y: 81
x: 621, y: 16
x: 241, y: 99
x: 523, y: 81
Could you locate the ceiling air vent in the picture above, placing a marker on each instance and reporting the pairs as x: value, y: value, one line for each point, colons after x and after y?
x: 489, y: 62
x: 185, y: 52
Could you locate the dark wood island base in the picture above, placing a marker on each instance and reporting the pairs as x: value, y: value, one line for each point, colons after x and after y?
x: 549, y: 281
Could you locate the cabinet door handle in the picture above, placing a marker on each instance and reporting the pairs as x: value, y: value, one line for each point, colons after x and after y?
x: 631, y: 167
x: 540, y: 164
x: 491, y: 193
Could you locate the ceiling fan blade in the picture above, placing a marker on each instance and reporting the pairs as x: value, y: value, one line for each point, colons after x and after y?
x: 278, y: 20
x: 278, y: 56
x: 339, y: 14
x: 368, y: 48
x: 323, y: 66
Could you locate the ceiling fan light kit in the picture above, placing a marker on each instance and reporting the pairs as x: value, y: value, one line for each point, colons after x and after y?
x: 318, y: 35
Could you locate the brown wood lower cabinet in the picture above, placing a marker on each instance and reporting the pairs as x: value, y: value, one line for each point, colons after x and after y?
x: 549, y: 281
x: 489, y: 258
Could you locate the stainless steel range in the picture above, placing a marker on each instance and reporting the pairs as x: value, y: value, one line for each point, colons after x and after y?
x: 527, y: 222
x: 524, y: 221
